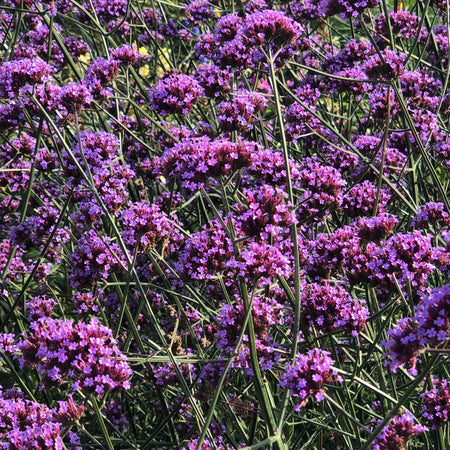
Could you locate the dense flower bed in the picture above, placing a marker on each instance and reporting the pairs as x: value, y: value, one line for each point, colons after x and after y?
x: 224, y: 224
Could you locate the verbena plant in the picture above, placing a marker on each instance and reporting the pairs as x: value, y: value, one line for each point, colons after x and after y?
x: 224, y: 224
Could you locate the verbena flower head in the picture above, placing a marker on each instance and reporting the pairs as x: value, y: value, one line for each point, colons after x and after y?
x: 403, y: 344
x: 433, y: 317
x: 327, y: 254
x: 214, y: 80
x: 94, y: 258
x: 436, y: 404
x: 196, y: 161
x: 227, y: 27
x: 199, y: 11
x: 266, y: 313
x: 389, y: 67
x: 242, y: 112
x: 263, y: 28
x: 175, y: 93
x: 330, y: 308
x: 395, y: 435
x: 264, y: 214
x: 84, y: 354
x: 26, y: 424
x: 431, y: 215
x: 307, y: 375
x: 348, y: 8
x: 146, y: 227
x: 207, y: 254
x: 408, y: 257
x: 323, y: 189
x: 360, y: 200
x: 21, y: 72
x: 376, y: 228
x: 111, y: 13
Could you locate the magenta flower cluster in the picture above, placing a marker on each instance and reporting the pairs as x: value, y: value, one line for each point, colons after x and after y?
x: 307, y: 376
x: 84, y: 354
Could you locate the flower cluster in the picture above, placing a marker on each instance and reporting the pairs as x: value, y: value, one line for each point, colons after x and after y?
x: 405, y: 259
x: 428, y: 328
x: 239, y: 114
x: 94, y: 258
x: 195, y: 161
x: 329, y: 308
x: 94, y: 155
x: 28, y: 424
x: 436, y: 405
x: 398, y: 432
x: 307, y: 376
x: 84, y: 354
x: 175, y: 93
x: 145, y: 226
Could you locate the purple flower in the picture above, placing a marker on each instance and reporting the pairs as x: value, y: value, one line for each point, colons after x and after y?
x: 7, y: 344
x: 126, y: 54
x: 175, y: 93
x: 35, y: 230
x: 403, y: 345
x: 307, y: 375
x: 264, y: 214
x: 404, y: 25
x: 262, y: 261
x: 147, y: 227
x: 436, y: 404
x: 205, y: 47
x: 232, y: 54
x: 227, y: 27
x: 101, y: 72
x: 75, y: 46
x: 348, y: 8
x: 433, y: 317
x: 242, y: 112
x: 266, y: 313
x: 40, y: 306
x: 376, y: 228
x: 94, y: 259
x: 323, y: 189
x: 300, y: 122
x: 14, y: 265
x: 330, y: 308
x: 268, y: 167
x: 83, y: 353
x: 361, y: 199
x: 408, y: 257
x: 68, y: 411
x: 196, y: 161
x: 26, y: 424
x: 214, y: 80
x: 432, y: 215
x: 421, y: 89
x: 269, y: 27
x: 199, y: 11
x: 389, y: 67
x: 101, y: 151
x: 21, y: 72
x: 396, y: 434
x: 306, y: 10
x: 85, y: 302
x: 114, y: 413
x: 327, y: 254
x: 207, y: 254
x: 110, y: 12
x: 269, y: 33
